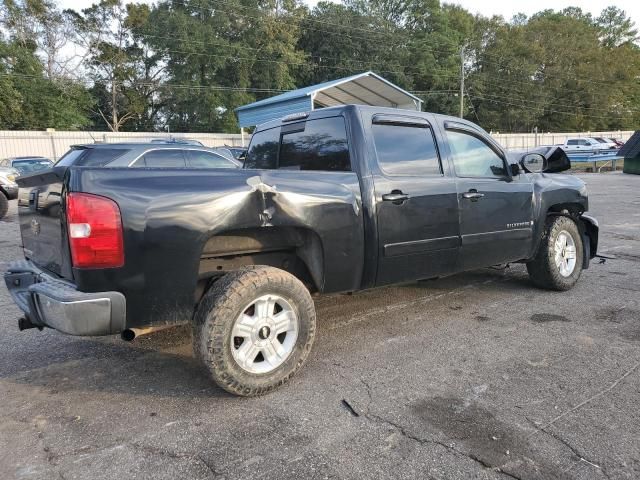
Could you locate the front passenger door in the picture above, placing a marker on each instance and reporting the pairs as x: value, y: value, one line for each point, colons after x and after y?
x: 496, y: 209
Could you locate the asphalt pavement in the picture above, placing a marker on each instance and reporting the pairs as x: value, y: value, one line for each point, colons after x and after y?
x: 478, y: 375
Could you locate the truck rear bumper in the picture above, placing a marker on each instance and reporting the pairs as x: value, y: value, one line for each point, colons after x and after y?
x: 50, y: 302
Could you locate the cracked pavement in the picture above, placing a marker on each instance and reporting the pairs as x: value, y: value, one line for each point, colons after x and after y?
x: 478, y: 375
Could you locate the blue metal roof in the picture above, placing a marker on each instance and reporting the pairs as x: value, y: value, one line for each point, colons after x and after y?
x: 364, y: 88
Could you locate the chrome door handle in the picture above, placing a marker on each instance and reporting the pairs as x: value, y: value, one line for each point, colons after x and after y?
x: 395, y: 197
x: 472, y: 195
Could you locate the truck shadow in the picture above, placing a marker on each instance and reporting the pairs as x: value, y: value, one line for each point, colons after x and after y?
x: 161, y: 364
x: 158, y: 365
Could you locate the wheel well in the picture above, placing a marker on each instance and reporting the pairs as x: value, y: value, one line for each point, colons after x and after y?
x: 573, y: 209
x: 295, y: 250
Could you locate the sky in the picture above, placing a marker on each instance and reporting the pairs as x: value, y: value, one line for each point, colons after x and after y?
x: 506, y: 8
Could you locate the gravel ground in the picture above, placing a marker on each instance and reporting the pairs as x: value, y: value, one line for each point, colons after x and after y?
x: 477, y: 375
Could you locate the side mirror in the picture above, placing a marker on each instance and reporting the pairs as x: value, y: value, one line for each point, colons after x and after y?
x: 534, y: 162
x: 515, y: 169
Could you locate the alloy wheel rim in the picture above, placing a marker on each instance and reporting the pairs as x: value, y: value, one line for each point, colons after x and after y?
x: 565, y: 253
x: 264, y: 334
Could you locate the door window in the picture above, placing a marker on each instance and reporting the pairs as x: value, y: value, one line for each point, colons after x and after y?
x: 406, y: 149
x: 472, y: 157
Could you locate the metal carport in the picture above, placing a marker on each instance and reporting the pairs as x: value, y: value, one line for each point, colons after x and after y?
x: 364, y: 89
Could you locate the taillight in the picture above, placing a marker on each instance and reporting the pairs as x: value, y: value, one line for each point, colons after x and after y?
x: 95, y: 231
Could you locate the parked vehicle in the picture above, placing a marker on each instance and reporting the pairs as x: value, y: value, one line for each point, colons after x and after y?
x: 8, y: 188
x: 583, y: 145
x: 606, y: 143
x: 618, y: 143
x: 26, y: 165
x: 225, y: 152
x: 150, y: 155
x: 182, y: 141
x: 338, y: 200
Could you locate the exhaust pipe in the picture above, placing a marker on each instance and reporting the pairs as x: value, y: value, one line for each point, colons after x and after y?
x: 24, y: 323
x: 131, y: 334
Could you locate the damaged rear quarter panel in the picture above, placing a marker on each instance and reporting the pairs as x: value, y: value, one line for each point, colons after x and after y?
x: 169, y: 214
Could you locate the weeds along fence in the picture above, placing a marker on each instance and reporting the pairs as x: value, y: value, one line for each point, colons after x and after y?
x: 54, y: 144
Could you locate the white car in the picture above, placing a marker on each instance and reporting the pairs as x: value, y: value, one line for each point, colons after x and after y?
x: 585, y: 144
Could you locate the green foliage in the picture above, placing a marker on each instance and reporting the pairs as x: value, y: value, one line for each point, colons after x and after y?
x: 186, y: 64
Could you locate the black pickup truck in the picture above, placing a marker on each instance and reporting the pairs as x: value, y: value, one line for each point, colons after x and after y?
x: 337, y: 200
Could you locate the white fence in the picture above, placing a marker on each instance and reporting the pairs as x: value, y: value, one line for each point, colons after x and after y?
x: 525, y: 141
x: 53, y: 144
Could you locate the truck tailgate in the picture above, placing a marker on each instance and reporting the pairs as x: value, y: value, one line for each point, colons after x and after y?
x: 41, y: 224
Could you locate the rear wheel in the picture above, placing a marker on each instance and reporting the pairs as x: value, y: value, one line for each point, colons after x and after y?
x: 254, y: 329
x: 558, y: 263
x: 4, y: 205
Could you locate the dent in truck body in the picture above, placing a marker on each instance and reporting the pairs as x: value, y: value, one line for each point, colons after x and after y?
x: 172, y: 218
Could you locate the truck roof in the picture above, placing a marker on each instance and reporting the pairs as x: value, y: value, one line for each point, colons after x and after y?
x: 337, y: 110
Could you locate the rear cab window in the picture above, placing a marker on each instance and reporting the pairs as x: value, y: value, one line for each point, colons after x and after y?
x: 316, y: 145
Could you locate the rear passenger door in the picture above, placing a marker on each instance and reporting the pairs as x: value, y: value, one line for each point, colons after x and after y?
x: 416, y: 204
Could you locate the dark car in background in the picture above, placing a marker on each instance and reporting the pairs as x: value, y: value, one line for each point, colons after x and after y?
x: 183, y: 141
x: 146, y: 155
x: 26, y: 165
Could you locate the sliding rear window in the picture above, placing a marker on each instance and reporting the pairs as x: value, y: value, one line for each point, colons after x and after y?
x: 317, y: 145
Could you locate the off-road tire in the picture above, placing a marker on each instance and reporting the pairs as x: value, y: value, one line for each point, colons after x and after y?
x: 4, y: 205
x: 221, y: 306
x: 542, y: 269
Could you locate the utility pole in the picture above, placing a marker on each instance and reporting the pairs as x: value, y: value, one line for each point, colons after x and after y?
x: 462, y: 82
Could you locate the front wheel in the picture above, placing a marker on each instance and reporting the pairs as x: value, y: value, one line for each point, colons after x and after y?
x: 254, y: 329
x: 558, y: 262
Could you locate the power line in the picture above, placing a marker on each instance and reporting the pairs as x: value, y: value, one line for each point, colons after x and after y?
x: 527, y: 107
x: 603, y: 95
x: 553, y: 104
x: 395, y: 33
